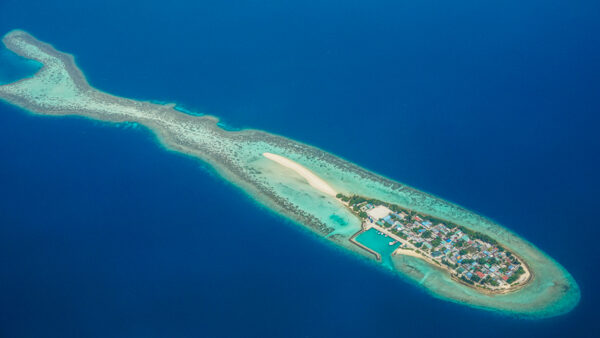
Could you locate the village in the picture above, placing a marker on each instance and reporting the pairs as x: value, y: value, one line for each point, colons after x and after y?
x: 471, y: 257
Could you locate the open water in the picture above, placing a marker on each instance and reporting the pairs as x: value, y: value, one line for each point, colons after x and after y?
x: 493, y: 106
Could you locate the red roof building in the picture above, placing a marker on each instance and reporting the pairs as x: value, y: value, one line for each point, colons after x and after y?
x: 479, y: 274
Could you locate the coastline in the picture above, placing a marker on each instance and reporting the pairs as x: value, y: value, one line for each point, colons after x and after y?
x: 172, y: 129
x: 521, y: 282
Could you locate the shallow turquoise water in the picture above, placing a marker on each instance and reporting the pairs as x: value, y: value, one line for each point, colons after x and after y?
x: 380, y: 243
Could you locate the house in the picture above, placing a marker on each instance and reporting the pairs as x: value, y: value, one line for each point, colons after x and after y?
x: 479, y: 274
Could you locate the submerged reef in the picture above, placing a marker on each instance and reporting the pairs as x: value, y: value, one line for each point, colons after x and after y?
x: 295, y: 180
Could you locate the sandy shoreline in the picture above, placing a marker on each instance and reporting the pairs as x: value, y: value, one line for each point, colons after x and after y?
x: 519, y: 283
x: 312, y: 179
x: 406, y: 252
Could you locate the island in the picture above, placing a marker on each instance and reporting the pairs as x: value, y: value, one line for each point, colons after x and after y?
x: 470, y: 257
x: 445, y: 249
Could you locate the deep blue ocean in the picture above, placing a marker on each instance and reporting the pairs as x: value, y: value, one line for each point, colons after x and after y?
x: 492, y: 105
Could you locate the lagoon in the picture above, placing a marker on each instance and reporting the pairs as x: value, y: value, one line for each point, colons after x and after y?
x: 380, y: 243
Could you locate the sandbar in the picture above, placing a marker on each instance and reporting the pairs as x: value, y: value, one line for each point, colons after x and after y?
x: 312, y: 179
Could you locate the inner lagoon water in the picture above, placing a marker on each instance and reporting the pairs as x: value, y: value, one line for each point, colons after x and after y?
x: 380, y: 243
x: 105, y: 234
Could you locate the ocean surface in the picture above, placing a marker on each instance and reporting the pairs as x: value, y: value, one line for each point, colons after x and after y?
x: 493, y: 106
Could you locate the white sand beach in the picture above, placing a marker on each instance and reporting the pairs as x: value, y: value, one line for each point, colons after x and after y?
x: 314, y: 180
x: 405, y: 252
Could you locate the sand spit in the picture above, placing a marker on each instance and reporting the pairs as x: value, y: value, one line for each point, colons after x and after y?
x: 312, y: 179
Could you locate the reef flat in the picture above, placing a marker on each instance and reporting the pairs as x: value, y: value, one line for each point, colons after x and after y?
x: 293, y: 179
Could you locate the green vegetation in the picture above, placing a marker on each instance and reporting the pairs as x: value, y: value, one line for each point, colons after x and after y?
x: 515, y: 275
x: 489, y: 280
x: 399, y: 234
x: 342, y: 197
x: 394, y: 217
x: 464, y: 279
x: 478, y: 235
x: 355, y: 199
x: 471, y: 249
x: 446, y: 262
